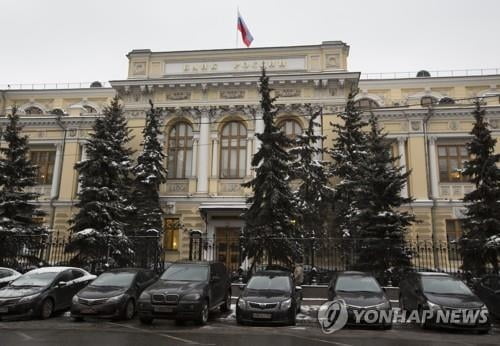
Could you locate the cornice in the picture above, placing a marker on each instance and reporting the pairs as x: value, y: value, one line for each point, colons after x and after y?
x: 88, y: 92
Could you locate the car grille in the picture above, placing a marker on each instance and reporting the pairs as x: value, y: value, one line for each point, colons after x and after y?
x: 263, y: 306
x: 164, y: 298
x: 8, y: 301
x: 91, y: 301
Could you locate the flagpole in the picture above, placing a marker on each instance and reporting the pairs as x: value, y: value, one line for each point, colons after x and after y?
x: 237, y: 12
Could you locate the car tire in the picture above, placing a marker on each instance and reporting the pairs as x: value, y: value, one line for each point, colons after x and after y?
x: 239, y: 321
x: 46, y: 308
x: 423, y: 324
x: 293, y: 318
x: 129, y: 310
x: 77, y: 318
x: 179, y: 322
x: 146, y: 320
x: 202, y: 318
x: 226, y: 305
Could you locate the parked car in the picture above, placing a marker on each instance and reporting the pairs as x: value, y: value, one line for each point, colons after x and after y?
x: 113, y: 294
x: 270, y: 296
x: 434, y: 292
x: 42, y: 291
x: 488, y: 290
x: 187, y: 291
x: 360, y: 291
x: 7, y: 275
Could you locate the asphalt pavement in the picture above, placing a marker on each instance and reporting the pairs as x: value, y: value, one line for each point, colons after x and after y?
x: 221, y: 331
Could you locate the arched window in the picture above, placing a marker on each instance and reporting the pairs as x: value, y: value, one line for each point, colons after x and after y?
x: 233, y: 150
x: 365, y: 103
x: 291, y: 128
x: 89, y: 109
x: 33, y: 110
x: 180, y: 151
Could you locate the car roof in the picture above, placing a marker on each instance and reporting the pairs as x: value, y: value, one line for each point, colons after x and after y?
x: 272, y: 273
x: 433, y: 274
x: 52, y: 270
x: 354, y: 273
x: 126, y: 270
x: 205, y: 263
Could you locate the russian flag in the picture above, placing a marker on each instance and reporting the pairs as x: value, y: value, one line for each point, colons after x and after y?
x: 246, y: 36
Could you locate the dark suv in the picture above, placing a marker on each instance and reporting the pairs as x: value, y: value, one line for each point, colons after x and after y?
x: 186, y: 291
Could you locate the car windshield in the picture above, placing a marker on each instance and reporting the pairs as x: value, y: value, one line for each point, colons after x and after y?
x: 357, y: 283
x: 269, y: 283
x: 5, y: 273
x: 114, y: 279
x: 444, y: 285
x: 35, y: 279
x: 185, y: 272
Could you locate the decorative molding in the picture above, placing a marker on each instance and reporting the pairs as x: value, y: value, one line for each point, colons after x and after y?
x: 230, y: 187
x: 232, y: 94
x: 287, y: 92
x: 177, y: 186
x: 454, y: 125
x: 178, y: 95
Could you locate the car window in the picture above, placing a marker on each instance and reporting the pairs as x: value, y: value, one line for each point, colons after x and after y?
x: 77, y: 274
x: 66, y: 276
x: 5, y: 273
x: 142, y: 277
x: 357, y: 283
x: 273, y: 283
x: 114, y: 279
x: 444, y: 285
x: 39, y: 279
x: 186, y: 272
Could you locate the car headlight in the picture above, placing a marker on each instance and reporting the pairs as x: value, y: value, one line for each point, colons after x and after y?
x: 144, y: 296
x: 433, y: 307
x: 286, y: 304
x: 29, y: 299
x: 383, y: 306
x: 192, y: 296
x: 242, y: 304
x: 116, y: 299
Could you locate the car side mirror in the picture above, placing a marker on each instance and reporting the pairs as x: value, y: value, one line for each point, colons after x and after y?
x: 62, y: 284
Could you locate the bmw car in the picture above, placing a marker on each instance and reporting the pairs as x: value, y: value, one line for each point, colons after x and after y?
x: 361, y: 293
x: 269, y: 297
x: 7, y: 275
x: 41, y: 292
x: 113, y: 294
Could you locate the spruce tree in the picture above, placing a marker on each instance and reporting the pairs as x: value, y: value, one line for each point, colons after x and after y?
x: 313, y: 194
x: 383, y: 225
x: 480, y: 243
x: 272, y: 222
x: 17, y: 207
x: 149, y: 173
x: 98, y: 228
x: 348, y: 151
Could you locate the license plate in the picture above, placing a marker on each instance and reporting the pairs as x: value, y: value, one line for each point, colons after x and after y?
x: 163, y: 309
x: 88, y: 311
x: 264, y: 316
x: 4, y: 310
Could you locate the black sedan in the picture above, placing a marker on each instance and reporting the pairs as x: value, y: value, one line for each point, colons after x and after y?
x: 488, y: 290
x: 269, y: 297
x: 444, y: 301
x: 113, y: 294
x: 42, y: 291
x: 7, y: 275
x: 362, y: 294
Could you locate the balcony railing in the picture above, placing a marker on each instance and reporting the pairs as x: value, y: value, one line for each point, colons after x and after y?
x: 435, y: 73
x: 41, y: 86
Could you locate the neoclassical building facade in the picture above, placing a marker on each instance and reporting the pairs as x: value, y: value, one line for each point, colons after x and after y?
x: 212, y: 113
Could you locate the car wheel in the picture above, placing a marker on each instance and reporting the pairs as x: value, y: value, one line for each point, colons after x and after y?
x: 424, y: 323
x: 129, y: 310
x: 179, y: 322
x: 146, y: 320
x: 203, y: 315
x: 293, y: 317
x: 77, y: 318
x: 46, y: 309
x: 226, y: 306
x: 239, y: 321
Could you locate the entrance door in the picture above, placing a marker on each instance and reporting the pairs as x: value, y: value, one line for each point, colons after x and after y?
x: 228, y: 247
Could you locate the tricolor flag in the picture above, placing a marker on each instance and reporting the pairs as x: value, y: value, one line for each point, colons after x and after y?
x: 246, y: 36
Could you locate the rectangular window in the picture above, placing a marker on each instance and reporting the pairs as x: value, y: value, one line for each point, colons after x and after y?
x: 453, y: 234
x: 171, y: 235
x: 45, y: 161
x: 451, y: 162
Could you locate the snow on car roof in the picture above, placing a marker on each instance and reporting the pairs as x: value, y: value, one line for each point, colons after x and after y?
x: 51, y: 269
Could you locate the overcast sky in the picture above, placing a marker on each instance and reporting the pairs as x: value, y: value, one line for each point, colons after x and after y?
x: 86, y: 40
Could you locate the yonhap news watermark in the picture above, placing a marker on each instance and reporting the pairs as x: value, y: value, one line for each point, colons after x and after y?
x: 335, y: 315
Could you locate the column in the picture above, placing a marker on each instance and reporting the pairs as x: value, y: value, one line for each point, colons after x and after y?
x: 84, y: 157
x: 215, y: 155
x: 196, y: 139
x: 56, y: 174
x: 259, y: 128
x: 433, y: 168
x: 202, y: 184
x: 249, y: 154
x: 319, y: 143
x: 402, y: 163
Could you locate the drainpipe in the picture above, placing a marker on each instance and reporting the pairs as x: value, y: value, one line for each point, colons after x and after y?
x: 429, y: 188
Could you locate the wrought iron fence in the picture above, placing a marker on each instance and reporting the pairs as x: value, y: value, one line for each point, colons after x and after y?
x: 51, y: 250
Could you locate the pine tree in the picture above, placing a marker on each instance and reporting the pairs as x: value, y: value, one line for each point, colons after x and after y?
x: 382, y: 224
x: 98, y: 228
x: 480, y: 243
x: 313, y: 193
x: 272, y: 220
x: 149, y: 173
x: 348, y: 151
x: 17, y: 209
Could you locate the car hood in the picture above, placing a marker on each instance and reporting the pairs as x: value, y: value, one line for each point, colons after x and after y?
x: 97, y: 292
x: 13, y: 292
x: 362, y: 299
x: 176, y: 287
x: 262, y: 299
x: 454, y: 300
